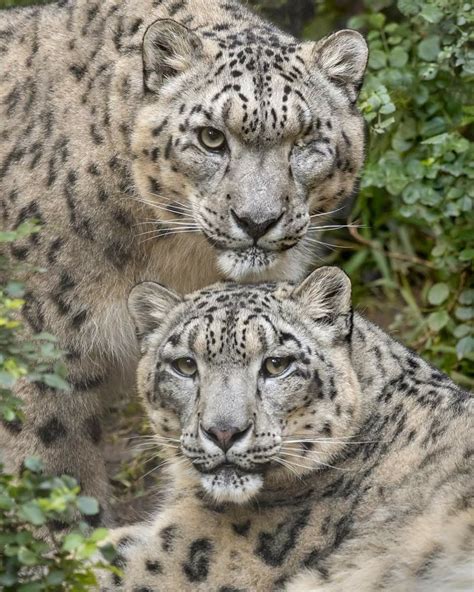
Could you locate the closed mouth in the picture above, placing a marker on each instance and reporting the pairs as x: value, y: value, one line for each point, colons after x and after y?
x: 250, y: 250
x: 232, y: 467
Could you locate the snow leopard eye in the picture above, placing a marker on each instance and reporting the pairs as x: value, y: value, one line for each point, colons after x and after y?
x: 276, y: 366
x: 185, y: 367
x: 212, y: 139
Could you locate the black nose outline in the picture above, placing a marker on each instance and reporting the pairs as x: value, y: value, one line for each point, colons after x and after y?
x: 255, y: 229
x: 227, y: 437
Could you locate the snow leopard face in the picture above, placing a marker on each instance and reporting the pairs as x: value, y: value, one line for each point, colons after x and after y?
x: 253, y: 382
x: 245, y: 135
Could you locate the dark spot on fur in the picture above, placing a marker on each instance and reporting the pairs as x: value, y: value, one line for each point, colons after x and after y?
x: 197, y: 566
x: 51, y: 431
x: 93, y: 429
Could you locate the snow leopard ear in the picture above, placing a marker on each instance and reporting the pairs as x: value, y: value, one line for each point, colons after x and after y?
x: 148, y: 304
x: 169, y: 48
x: 343, y: 58
x: 325, y: 294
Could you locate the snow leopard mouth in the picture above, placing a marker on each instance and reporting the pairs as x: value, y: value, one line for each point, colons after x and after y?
x: 230, y: 469
x: 251, y: 261
x: 230, y: 483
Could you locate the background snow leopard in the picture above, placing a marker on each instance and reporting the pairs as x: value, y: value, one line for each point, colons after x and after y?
x: 309, y: 451
x: 183, y: 141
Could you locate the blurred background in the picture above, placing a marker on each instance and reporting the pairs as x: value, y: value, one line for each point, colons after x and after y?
x: 410, y: 258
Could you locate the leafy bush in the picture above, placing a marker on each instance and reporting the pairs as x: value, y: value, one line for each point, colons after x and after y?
x: 36, y: 359
x: 12, y: 3
x: 62, y: 561
x: 417, y: 191
x: 33, y: 560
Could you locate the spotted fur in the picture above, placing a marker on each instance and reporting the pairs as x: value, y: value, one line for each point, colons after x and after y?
x: 351, y: 469
x: 101, y: 103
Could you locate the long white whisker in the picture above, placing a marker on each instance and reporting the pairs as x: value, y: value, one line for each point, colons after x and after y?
x: 181, y: 210
x: 162, y: 235
x: 327, y: 213
x: 153, y: 437
x: 312, y: 460
x: 333, y: 227
x: 164, y: 463
x: 167, y: 231
x: 168, y: 222
x: 180, y: 203
x: 289, y: 467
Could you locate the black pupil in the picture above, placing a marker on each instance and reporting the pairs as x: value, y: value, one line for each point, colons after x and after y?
x: 213, y: 133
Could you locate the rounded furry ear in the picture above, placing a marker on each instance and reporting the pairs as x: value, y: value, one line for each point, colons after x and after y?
x: 325, y: 294
x: 169, y: 48
x: 148, y: 304
x: 343, y: 57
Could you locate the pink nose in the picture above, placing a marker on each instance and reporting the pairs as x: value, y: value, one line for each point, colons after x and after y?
x: 226, y: 438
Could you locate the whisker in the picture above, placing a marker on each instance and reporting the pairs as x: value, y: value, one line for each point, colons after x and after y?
x: 170, y: 208
x: 341, y: 440
x: 164, y: 463
x: 167, y: 222
x: 156, y: 446
x: 317, y: 242
x: 153, y: 437
x: 168, y: 234
x: 170, y: 230
x: 289, y: 467
x: 333, y: 227
x: 163, y: 197
x: 318, y: 462
x: 327, y: 213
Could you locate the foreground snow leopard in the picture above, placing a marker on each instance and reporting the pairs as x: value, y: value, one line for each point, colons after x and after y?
x: 308, y: 450
x: 184, y: 141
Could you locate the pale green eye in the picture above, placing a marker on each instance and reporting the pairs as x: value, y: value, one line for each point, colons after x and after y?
x: 185, y: 366
x: 212, y: 139
x: 276, y: 366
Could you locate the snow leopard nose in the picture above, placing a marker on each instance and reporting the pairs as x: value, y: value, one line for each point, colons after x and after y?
x: 255, y: 229
x: 227, y: 437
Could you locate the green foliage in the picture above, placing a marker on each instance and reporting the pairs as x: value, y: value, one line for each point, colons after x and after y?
x: 13, y: 3
x: 36, y: 359
x: 59, y: 560
x: 417, y: 192
x: 34, y: 557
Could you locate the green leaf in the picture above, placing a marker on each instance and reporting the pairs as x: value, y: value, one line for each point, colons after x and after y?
x: 408, y: 7
x: 55, y: 381
x: 431, y: 13
x: 72, y: 541
x: 55, y: 577
x: 438, y: 294
x: 398, y: 57
x: 98, y: 535
x: 27, y: 557
x: 462, y: 331
x: 429, y: 48
x: 32, y: 513
x: 464, y: 313
x: 438, y: 320
x: 466, y: 297
x: 6, y: 502
x: 87, y: 505
x: 377, y: 59
x: 33, y: 464
x: 466, y: 255
x: 464, y: 347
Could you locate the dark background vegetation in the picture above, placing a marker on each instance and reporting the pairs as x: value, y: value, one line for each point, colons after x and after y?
x: 409, y: 253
